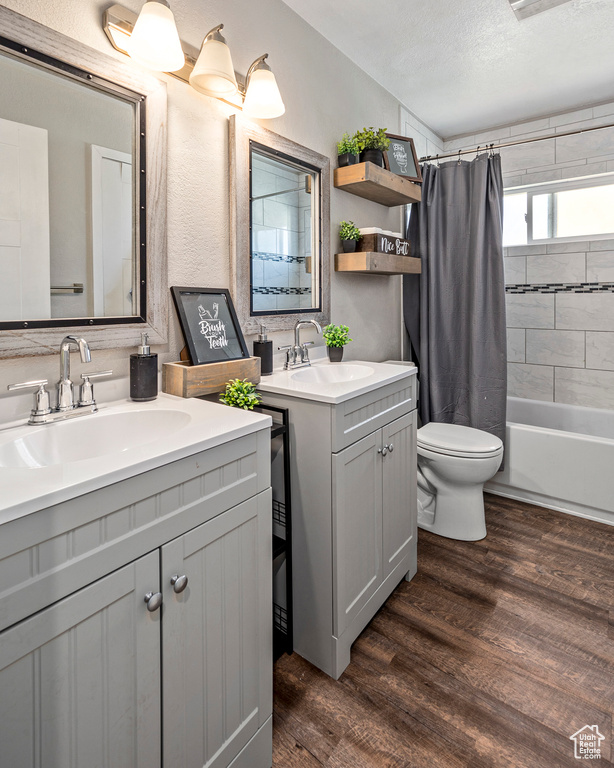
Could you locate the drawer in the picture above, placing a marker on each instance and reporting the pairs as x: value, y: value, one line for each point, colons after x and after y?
x: 358, y: 417
x: 49, y: 554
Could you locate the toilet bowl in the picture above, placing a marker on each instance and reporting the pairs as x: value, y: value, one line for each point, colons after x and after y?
x: 454, y: 462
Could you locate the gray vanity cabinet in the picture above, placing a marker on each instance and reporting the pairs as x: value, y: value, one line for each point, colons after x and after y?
x: 76, y: 678
x: 353, y: 513
x: 93, y: 678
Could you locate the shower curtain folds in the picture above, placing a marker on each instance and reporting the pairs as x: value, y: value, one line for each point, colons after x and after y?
x: 455, y: 309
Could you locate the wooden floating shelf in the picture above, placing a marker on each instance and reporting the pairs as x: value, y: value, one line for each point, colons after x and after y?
x: 377, y: 184
x: 372, y: 263
x: 185, y: 380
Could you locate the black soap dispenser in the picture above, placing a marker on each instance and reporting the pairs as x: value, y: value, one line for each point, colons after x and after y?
x: 263, y: 348
x: 143, y: 373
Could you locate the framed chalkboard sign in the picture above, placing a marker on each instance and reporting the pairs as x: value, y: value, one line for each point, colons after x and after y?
x: 401, y: 158
x: 209, y: 324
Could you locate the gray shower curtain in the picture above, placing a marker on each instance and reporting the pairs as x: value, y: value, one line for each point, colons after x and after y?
x: 455, y: 309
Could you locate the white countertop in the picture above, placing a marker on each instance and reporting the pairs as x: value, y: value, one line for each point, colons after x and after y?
x: 282, y: 382
x: 203, y: 425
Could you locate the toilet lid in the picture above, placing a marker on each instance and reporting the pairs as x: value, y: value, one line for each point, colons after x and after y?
x: 455, y: 440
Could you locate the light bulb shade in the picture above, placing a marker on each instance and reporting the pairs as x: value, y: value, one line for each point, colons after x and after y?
x: 213, y: 73
x: 155, y: 42
x: 263, y: 99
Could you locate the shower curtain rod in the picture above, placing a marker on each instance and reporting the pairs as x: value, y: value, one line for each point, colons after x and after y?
x: 493, y: 147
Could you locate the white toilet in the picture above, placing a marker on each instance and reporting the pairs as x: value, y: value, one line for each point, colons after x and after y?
x: 454, y: 462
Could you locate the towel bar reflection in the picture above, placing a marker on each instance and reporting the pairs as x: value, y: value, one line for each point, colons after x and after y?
x: 74, y: 288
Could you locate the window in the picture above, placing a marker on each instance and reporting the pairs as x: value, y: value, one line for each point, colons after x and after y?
x: 562, y: 210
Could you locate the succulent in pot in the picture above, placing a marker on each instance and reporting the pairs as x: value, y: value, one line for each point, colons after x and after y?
x: 336, y: 337
x: 349, y: 235
x: 372, y: 143
x: 240, y: 393
x: 348, y: 150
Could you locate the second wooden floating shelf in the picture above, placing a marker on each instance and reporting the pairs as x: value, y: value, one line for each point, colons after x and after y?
x: 372, y: 263
x: 374, y: 183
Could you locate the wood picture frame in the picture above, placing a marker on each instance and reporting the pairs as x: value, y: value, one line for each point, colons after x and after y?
x: 209, y: 324
x: 401, y: 156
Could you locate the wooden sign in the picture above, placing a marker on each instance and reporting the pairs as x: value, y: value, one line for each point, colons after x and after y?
x: 384, y: 244
x: 401, y: 158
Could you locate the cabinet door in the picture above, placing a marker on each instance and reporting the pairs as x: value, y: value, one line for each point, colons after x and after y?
x: 357, y: 528
x: 217, y: 636
x: 80, y: 681
x: 399, y: 491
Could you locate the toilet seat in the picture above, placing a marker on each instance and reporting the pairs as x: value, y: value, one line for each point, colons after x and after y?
x: 456, y: 440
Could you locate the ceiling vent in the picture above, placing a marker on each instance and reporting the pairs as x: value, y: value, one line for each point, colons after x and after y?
x: 525, y: 8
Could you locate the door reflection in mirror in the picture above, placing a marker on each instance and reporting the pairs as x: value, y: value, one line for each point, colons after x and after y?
x: 284, y: 201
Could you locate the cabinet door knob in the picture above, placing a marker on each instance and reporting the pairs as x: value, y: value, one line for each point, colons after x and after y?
x: 179, y: 583
x: 383, y: 450
x: 390, y: 448
x: 153, y: 600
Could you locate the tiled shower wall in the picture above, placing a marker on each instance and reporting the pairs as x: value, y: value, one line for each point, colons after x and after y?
x: 560, y: 297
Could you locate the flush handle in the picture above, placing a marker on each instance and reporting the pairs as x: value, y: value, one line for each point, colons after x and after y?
x: 179, y: 583
x: 153, y: 601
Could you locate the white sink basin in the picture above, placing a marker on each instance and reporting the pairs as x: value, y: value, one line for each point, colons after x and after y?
x: 333, y: 374
x: 89, y: 437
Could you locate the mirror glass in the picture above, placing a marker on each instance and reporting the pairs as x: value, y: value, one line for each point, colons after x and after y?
x: 284, y: 207
x: 68, y: 163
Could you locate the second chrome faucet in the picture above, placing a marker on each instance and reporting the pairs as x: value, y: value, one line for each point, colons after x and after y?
x: 297, y: 354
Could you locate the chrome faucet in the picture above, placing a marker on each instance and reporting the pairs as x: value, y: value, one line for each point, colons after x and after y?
x: 66, y: 408
x: 297, y: 355
x: 65, y: 393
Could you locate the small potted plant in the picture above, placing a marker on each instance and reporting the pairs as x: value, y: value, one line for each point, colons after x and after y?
x: 372, y: 143
x: 349, y: 235
x: 240, y: 393
x: 347, y: 150
x: 336, y: 337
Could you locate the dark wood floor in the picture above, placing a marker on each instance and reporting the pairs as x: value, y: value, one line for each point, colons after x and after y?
x: 491, y: 657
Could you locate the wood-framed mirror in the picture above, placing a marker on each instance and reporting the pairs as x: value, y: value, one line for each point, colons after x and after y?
x: 92, y: 127
x: 279, y: 229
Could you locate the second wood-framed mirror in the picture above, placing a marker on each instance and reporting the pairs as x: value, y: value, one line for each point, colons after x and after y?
x: 279, y: 229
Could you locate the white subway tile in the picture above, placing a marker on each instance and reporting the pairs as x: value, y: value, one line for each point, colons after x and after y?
x: 602, y: 245
x: 559, y: 268
x: 515, y: 270
x: 527, y: 156
x: 493, y: 136
x: 555, y: 348
x: 534, y: 125
x: 577, y: 246
x: 512, y: 181
x: 588, y: 169
x: 526, y: 250
x: 539, y: 177
x: 600, y: 350
x: 604, y: 109
x: 585, y: 311
x: 533, y: 310
x: 567, y: 118
x: 535, y: 382
x: 584, y: 145
x: 589, y: 388
x: 600, y: 266
x: 515, y: 345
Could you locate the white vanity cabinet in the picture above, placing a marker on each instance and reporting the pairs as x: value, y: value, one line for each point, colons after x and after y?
x: 89, y: 676
x: 354, y: 505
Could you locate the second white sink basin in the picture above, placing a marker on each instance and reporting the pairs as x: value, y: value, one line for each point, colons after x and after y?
x: 89, y: 437
x: 333, y: 374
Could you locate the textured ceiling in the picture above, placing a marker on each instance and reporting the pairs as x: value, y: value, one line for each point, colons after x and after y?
x: 463, y: 67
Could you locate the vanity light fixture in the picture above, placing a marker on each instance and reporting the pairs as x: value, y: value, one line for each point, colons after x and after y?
x: 154, y: 41
x: 213, y: 73
x: 262, y: 96
x: 209, y: 71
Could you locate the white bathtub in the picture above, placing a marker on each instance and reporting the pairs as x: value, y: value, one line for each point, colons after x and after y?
x: 559, y: 456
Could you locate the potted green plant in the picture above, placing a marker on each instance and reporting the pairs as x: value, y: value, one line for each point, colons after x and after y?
x: 336, y: 337
x: 240, y: 393
x: 349, y: 235
x: 348, y: 150
x: 372, y: 143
